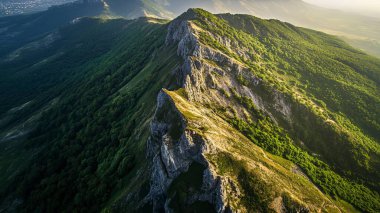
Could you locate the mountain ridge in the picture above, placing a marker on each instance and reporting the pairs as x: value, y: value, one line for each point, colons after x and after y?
x: 296, y: 12
x: 193, y: 90
x: 245, y: 113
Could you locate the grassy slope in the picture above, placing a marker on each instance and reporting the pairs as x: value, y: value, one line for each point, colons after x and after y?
x: 262, y: 178
x: 91, y: 143
x: 321, y: 83
x: 307, y: 66
x: 358, y: 30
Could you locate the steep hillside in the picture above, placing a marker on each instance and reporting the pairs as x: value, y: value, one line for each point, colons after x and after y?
x: 94, y: 123
x: 205, y: 112
x: 37, y: 73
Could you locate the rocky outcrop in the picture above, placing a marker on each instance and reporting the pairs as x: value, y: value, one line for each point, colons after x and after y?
x: 172, y: 149
x: 208, y: 75
x: 169, y: 150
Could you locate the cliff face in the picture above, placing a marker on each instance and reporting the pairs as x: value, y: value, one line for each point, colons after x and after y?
x: 187, y: 131
x: 216, y: 79
x: 185, y: 134
x: 210, y: 76
x: 173, y: 148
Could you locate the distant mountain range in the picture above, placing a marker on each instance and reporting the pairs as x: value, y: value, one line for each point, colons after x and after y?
x: 360, y: 31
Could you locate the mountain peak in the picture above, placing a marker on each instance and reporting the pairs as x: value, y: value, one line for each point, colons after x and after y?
x: 193, y: 13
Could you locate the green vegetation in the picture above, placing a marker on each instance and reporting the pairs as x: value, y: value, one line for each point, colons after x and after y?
x: 251, y: 178
x: 88, y: 145
x: 257, y: 193
x: 273, y: 139
x: 307, y: 80
x: 315, y: 73
x: 44, y: 72
x: 278, y: 50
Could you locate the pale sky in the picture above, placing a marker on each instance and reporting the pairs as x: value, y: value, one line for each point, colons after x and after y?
x: 365, y: 7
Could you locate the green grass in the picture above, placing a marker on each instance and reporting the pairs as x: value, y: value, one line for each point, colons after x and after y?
x: 257, y: 193
x: 273, y: 139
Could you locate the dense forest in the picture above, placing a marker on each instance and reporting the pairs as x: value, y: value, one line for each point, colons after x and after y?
x: 101, y: 106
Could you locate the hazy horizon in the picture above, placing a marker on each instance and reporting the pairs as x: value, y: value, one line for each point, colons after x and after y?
x: 364, y: 7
